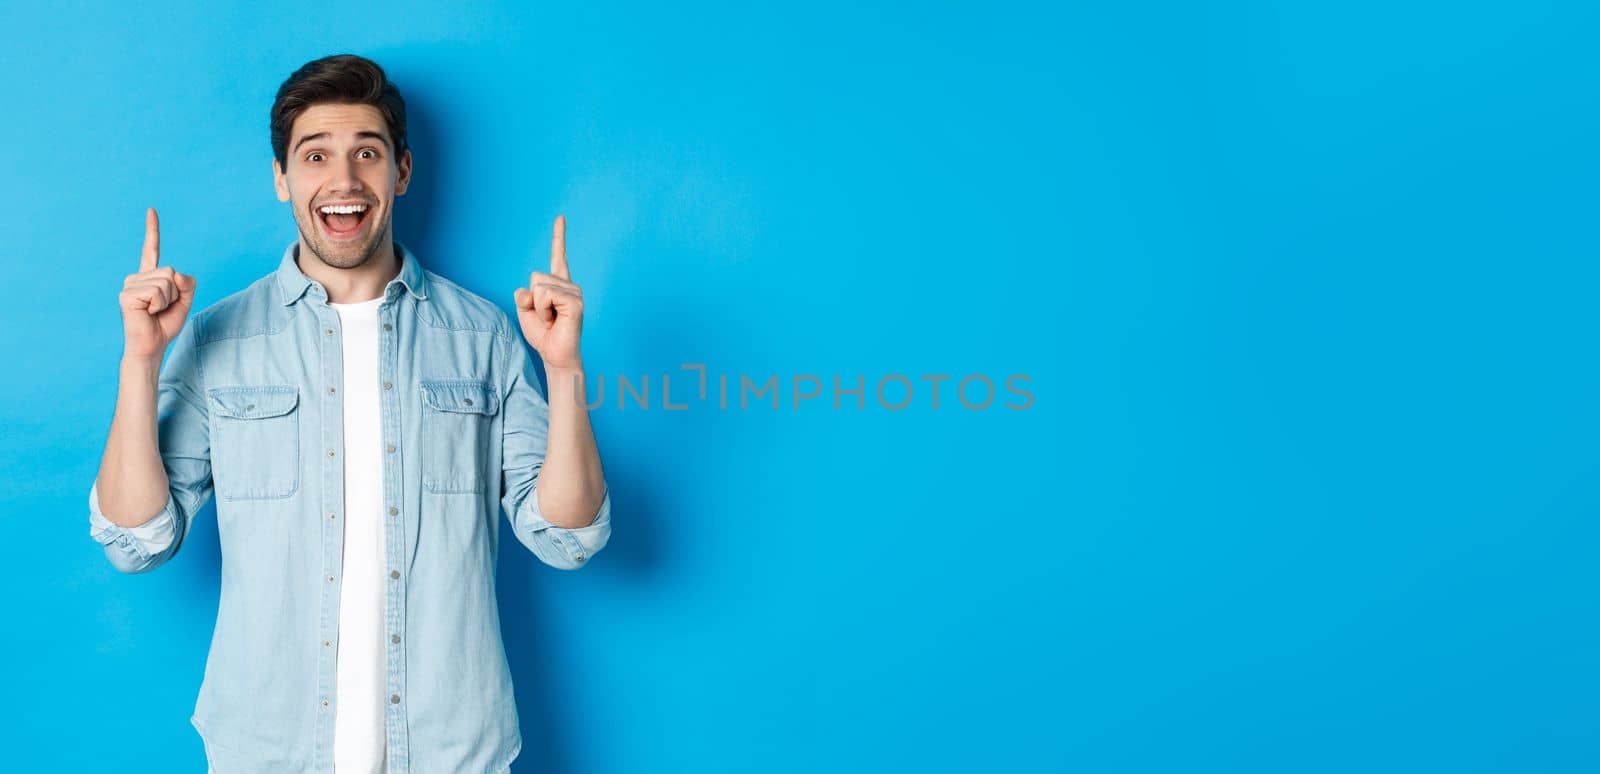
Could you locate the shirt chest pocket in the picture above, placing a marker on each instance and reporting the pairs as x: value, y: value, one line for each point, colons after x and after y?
x: 255, y: 445
x: 457, y: 416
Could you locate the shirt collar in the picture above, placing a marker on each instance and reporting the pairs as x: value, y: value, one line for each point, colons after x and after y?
x: 292, y: 282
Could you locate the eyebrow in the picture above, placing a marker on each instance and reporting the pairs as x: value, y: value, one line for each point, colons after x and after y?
x: 325, y: 135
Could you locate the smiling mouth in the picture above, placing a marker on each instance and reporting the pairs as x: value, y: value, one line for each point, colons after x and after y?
x: 341, y: 222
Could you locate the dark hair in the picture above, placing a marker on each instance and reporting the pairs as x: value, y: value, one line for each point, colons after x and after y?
x: 344, y: 79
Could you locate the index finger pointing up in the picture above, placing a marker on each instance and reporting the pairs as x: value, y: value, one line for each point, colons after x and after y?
x: 558, y: 249
x: 152, y: 241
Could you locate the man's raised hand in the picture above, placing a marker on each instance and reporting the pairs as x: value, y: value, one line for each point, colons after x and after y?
x: 550, y: 308
x: 155, y: 300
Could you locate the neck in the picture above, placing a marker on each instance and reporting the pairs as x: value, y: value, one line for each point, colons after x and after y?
x: 361, y: 283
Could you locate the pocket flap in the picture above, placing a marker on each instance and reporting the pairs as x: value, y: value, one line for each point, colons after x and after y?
x: 254, y: 402
x: 462, y: 396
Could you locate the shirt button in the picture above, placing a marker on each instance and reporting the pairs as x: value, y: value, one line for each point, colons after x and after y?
x: 391, y: 448
x: 324, y: 702
x: 330, y: 578
x: 580, y: 557
x: 327, y: 643
x: 388, y: 327
x: 394, y: 638
x: 330, y: 514
x: 330, y: 452
x: 330, y: 390
x: 467, y: 401
x: 394, y: 699
x: 395, y: 574
x: 393, y: 511
x: 328, y: 331
x: 388, y: 386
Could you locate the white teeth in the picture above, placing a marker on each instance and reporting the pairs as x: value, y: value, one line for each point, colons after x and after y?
x: 346, y: 209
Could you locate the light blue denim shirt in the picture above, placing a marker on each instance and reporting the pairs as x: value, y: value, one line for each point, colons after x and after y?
x: 249, y: 403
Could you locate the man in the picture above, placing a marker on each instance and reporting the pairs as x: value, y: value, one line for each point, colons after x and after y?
x: 361, y: 420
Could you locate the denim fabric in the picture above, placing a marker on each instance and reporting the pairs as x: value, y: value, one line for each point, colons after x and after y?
x: 248, y: 408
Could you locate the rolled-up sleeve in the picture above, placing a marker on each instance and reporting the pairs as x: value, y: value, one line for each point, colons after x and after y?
x: 183, y: 436
x: 566, y: 548
x: 133, y: 549
x: 524, y: 438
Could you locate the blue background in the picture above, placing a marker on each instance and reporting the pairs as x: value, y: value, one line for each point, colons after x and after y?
x: 1305, y: 291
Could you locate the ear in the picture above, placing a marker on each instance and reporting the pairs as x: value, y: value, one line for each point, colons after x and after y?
x: 405, y: 174
x: 280, y: 182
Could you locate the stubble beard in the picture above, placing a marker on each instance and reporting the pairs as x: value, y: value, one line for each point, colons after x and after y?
x: 332, y: 255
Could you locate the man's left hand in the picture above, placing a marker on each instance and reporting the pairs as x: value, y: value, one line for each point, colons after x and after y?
x: 550, y: 309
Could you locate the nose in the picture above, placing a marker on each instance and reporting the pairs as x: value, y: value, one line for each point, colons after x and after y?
x: 345, y: 180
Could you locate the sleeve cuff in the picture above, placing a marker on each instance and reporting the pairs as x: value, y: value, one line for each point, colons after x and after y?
x: 141, y: 542
x: 574, y: 545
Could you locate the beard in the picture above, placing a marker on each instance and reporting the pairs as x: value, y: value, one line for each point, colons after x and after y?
x: 345, y: 255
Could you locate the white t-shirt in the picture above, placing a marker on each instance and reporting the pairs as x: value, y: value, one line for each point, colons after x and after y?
x: 359, y: 745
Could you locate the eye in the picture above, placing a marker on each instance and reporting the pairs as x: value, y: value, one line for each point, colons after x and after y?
x: 370, y: 153
x: 313, y: 157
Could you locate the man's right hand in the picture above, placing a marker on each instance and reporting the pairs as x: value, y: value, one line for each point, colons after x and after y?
x: 155, y: 300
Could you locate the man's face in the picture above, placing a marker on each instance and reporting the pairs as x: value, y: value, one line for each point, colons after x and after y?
x: 342, y: 155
